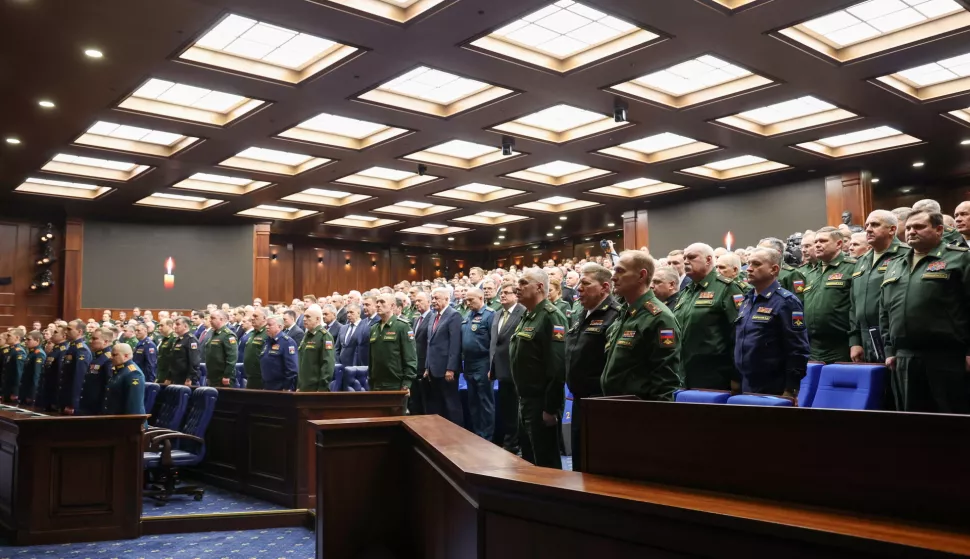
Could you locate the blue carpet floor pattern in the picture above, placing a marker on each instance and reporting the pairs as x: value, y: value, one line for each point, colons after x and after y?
x: 278, y: 543
x: 216, y: 500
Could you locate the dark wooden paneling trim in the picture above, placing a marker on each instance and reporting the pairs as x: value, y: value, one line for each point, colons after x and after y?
x: 848, y: 192
x: 261, y: 261
x: 230, y: 521
x: 73, y: 263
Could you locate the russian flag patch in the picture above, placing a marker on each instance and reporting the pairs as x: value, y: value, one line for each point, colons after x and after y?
x: 798, y: 320
x: 667, y: 337
x: 738, y: 299
x: 328, y: 344
x: 558, y: 332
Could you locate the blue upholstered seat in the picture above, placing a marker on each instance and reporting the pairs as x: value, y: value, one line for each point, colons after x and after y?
x: 203, y: 373
x: 702, y: 396
x: 851, y: 387
x: 240, y: 376
x: 809, y: 385
x: 170, y: 407
x: 151, y: 394
x: 337, y: 384
x: 758, y: 400
x: 355, y: 379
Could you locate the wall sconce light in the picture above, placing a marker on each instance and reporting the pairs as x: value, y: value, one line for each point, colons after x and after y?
x: 347, y: 261
x: 47, y: 234
x: 273, y: 257
x: 413, y: 268
x: 319, y: 260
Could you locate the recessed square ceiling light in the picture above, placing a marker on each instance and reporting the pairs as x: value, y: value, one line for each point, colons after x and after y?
x: 657, y: 148
x: 325, y: 197
x: 342, y: 132
x: 254, y: 47
x: 960, y: 116
x: 556, y: 204
x: 786, y: 117
x: 186, y: 102
x: 283, y: 213
x: 414, y: 209
x: 563, y: 37
x: 397, y: 11
x: 93, y: 167
x: 221, y: 184
x: 133, y: 139
x: 558, y: 173
x: 361, y: 222
x: 460, y: 154
x: 560, y: 124
x: 881, y: 138
x: 877, y: 26
x: 434, y: 229
x: 178, y: 202
x: 490, y: 218
x: 433, y: 92
x: 735, y: 168
x: 273, y: 161
x: 62, y: 189
x: 637, y: 188
x: 693, y: 82
x: 929, y: 82
x: 477, y: 192
x: 383, y: 177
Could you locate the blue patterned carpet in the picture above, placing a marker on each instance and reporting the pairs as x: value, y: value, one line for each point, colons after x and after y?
x: 278, y: 543
x: 215, y: 500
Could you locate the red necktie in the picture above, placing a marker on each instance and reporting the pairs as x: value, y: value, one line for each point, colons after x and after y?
x: 434, y: 327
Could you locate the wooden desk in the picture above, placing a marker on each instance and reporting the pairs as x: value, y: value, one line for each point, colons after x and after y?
x: 70, y: 479
x: 423, y: 487
x: 259, y: 441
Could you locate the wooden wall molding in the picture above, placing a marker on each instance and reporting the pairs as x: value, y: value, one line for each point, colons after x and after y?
x: 261, y: 261
x: 848, y: 192
x: 73, y: 263
x: 636, y: 230
x: 19, y: 247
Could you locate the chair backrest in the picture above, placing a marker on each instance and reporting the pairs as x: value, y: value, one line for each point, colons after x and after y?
x: 151, y: 394
x: 337, y: 384
x: 758, y: 400
x: 170, y: 407
x: 351, y: 384
x: 240, y: 376
x: 202, y: 374
x: 702, y: 396
x: 809, y: 385
x: 201, y: 406
x: 851, y: 387
x: 360, y: 378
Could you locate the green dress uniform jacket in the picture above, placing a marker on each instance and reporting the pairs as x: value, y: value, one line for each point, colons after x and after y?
x: 952, y: 237
x: 494, y: 303
x: 393, y: 358
x: 254, y: 349
x: 166, y: 350
x: 186, y: 357
x: 125, y: 393
x: 828, y: 308
x: 866, y: 294
x: 925, y: 323
x: 220, y: 357
x: 537, y: 355
x: 643, y: 352
x: 585, y: 348
x: 793, y: 280
x: 565, y: 308
x: 743, y: 284
x: 316, y: 361
x: 706, y: 312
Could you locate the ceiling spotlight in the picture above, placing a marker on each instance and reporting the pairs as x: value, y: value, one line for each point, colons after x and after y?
x: 508, y: 142
x: 558, y: 227
x: 874, y: 181
x: 548, y: 234
x: 46, y: 104
x: 619, y: 111
x: 563, y: 218
x: 13, y: 141
x: 495, y: 243
x: 501, y: 236
x: 93, y: 53
x: 451, y: 238
x: 918, y: 164
x: 501, y: 228
x: 422, y: 169
x: 965, y: 143
x: 610, y: 224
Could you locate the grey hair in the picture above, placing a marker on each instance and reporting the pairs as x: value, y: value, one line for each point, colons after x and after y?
x: 314, y: 311
x: 771, y: 255
x: 599, y: 274
x: 668, y: 273
x: 927, y: 204
x: 885, y: 216
x: 732, y: 259
x: 774, y: 242
x: 539, y: 276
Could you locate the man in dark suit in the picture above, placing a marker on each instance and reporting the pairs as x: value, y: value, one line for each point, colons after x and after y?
x: 290, y: 327
x: 507, y: 408
x: 198, y: 321
x: 369, y: 317
x: 423, y: 317
x: 330, y: 323
x: 347, y: 337
x: 340, y: 304
x: 444, y: 359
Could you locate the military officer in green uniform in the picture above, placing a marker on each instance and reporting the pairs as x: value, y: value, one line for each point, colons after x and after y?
x: 537, y: 357
x: 166, y: 349
x: 867, y: 284
x: 491, y: 296
x: 925, y: 320
x: 828, y: 299
x: 951, y: 235
x: 186, y: 356
x: 809, y: 260
x: 789, y: 277
x: 254, y: 348
x: 221, y: 352
x: 393, y: 358
x: 706, y: 312
x: 643, y: 346
x: 125, y: 392
x: 556, y: 298
x: 459, y: 303
x: 666, y: 286
x: 316, y: 354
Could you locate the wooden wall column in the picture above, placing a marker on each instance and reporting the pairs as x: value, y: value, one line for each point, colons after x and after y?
x: 636, y: 233
x: 261, y: 261
x: 848, y: 192
x: 72, y: 262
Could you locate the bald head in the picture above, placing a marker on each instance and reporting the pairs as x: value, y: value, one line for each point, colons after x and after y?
x: 962, y: 217
x: 698, y: 261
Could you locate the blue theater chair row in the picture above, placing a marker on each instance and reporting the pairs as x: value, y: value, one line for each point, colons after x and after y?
x: 845, y: 386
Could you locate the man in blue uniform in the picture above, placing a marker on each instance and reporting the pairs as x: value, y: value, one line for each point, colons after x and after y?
x: 47, y: 395
x: 476, y: 329
x: 99, y: 373
x: 34, y: 371
x: 75, y: 366
x: 13, y: 366
x: 125, y: 393
x: 279, y: 362
x: 146, y: 353
x: 771, y: 351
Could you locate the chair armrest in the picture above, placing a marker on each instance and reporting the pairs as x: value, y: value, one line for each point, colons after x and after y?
x: 151, y: 434
x: 174, y: 435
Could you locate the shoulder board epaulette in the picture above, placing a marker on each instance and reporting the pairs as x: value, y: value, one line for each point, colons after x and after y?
x: 487, y: 310
x: 786, y: 266
x: 652, y: 307
x: 782, y: 292
x: 949, y: 229
x: 957, y: 248
x: 723, y: 279
x: 132, y: 368
x: 850, y: 260
x: 550, y: 307
x: 404, y: 320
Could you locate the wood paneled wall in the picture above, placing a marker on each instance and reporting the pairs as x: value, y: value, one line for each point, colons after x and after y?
x: 948, y: 197
x: 19, y: 248
x: 850, y: 192
x: 298, y: 270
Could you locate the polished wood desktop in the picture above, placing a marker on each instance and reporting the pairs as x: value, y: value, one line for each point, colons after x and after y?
x: 422, y: 487
x: 69, y: 478
x: 260, y: 443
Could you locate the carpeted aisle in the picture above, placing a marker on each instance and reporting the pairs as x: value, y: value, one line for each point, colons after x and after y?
x: 216, y: 500
x: 278, y: 543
